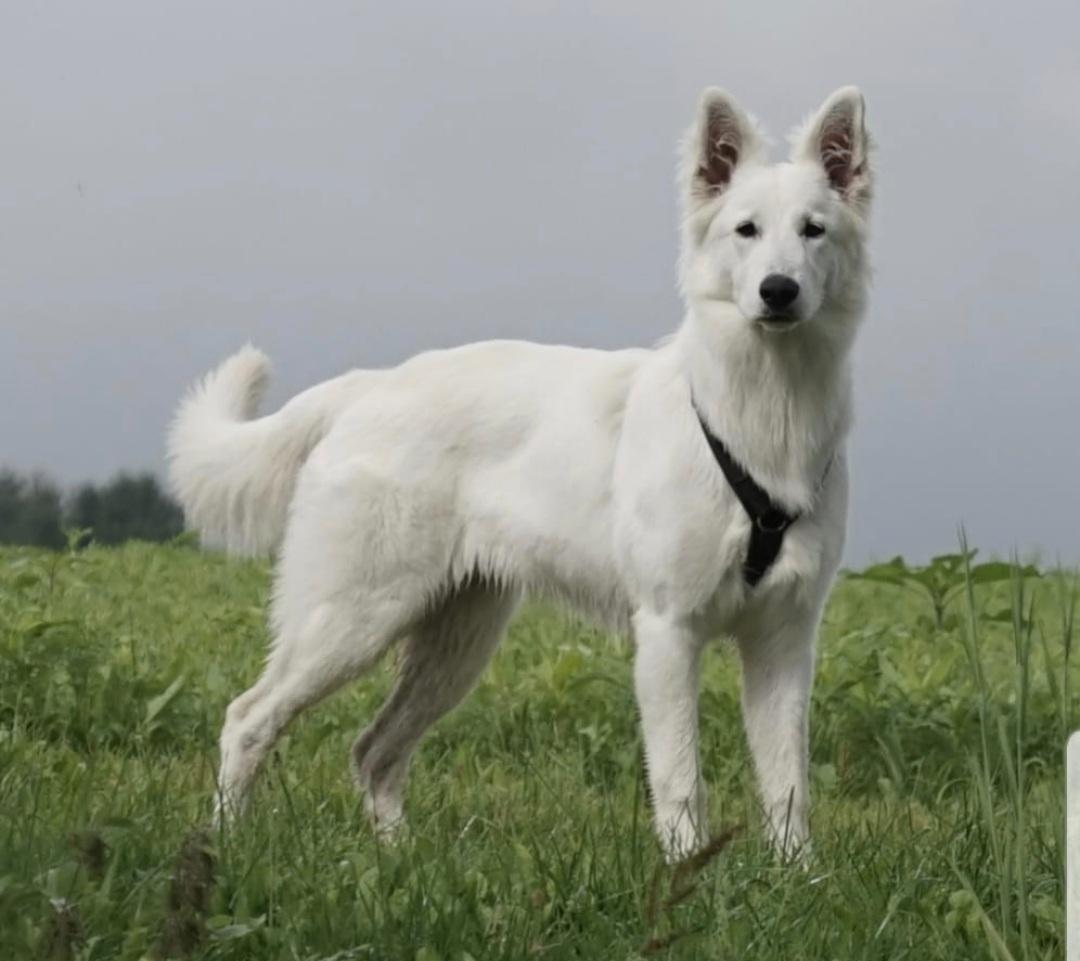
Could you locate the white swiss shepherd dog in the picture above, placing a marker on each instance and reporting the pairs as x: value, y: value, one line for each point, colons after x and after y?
x: 417, y: 506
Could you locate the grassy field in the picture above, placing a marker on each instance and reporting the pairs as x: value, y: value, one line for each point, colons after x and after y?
x: 940, y: 712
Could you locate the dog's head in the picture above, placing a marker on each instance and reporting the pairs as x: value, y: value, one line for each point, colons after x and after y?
x: 784, y: 243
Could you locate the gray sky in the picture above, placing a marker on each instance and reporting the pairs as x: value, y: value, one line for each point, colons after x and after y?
x: 347, y: 183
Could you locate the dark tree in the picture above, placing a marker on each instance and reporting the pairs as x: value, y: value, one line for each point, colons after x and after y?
x: 129, y: 507
x: 30, y: 511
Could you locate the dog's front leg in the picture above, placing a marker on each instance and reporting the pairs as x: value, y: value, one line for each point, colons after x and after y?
x: 778, y: 670
x: 666, y: 684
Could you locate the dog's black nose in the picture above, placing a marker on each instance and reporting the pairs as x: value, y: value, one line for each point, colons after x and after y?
x: 778, y: 291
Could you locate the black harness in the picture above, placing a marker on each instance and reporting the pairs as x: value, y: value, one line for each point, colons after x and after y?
x: 768, y: 521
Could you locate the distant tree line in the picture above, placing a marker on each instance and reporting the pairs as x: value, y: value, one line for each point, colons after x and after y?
x: 34, y: 511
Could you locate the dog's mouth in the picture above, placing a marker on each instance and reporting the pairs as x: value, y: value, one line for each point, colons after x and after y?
x: 777, y: 320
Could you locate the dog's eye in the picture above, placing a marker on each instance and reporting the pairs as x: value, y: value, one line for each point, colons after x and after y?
x: 747, y: 229
x: 812, y: 230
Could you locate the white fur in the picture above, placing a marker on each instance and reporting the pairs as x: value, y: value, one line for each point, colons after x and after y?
x: 418, y: 504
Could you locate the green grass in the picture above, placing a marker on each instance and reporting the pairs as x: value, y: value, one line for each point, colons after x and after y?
x: 937, y: 744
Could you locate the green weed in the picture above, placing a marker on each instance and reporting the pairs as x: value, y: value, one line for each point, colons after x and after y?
x: 940, y: 713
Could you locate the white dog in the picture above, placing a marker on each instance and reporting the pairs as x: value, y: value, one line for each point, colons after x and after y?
x: 417, y: 505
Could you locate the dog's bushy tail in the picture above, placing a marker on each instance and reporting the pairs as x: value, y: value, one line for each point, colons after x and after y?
x: 234, y: 476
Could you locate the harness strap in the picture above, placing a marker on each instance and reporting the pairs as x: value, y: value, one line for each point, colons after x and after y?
x: 768, y: 521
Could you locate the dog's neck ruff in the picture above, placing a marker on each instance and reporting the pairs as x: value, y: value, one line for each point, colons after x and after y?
x: 768, y: 521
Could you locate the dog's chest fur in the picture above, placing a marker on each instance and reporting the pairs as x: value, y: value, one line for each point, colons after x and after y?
x: 680, y: 533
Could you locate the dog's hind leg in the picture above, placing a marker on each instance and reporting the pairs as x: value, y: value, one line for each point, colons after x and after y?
x: 362, y: 558
x: 334, y: 644
x: 443, y: 657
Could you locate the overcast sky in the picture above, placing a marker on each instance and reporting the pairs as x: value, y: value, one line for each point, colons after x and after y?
x: 347, y: 183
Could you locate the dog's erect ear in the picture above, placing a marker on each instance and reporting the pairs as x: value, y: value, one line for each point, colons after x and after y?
x: 722, y: 138
x: 836, y: 138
